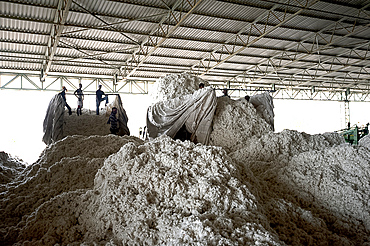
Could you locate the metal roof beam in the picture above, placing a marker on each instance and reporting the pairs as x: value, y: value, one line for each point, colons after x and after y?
x: 331, y: 70
x: 145, y: 4
x: 251, y: 4
x: 83, y: 28
x: 248, y: 42
x: 56, y: 29
x: 164, y: 30
x: 237, y: 41
x: 310, y: 49
x: 124, y: 51
x: 114, y: 62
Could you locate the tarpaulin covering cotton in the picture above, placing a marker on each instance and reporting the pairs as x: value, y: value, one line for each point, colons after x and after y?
x: 264, y: 106
x: 194, y: 110
x: 122, y: 116
x: 53, y: 122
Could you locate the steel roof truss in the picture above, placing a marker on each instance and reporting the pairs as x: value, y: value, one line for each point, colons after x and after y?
x: 163, y: 31
x: 311, y: 50
x: 56, y: 30
x: 251, y: 26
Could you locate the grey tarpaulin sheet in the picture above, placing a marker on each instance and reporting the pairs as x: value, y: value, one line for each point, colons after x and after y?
x: 194, y: 110
x: 122, y: 117
x: 264, y: 106
x: 53, y: 122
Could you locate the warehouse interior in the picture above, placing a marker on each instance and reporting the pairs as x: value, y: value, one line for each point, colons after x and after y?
x: 238, y: 181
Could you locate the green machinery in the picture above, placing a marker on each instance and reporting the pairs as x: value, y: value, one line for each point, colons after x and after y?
x: 353, y: 134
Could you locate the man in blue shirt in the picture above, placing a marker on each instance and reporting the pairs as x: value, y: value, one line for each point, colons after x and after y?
x: 100, y: 98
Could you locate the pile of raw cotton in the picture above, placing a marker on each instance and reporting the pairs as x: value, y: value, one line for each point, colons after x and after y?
x: 86, y: 124
x: 175, y: 85
x: 173, y: 192
x: 365, y: 142
x: 315, y: 187
x: 10, y: 168
x: 234, y: 122
x: 286, y: 188
x: 66, y: 166
x: 159, y: 192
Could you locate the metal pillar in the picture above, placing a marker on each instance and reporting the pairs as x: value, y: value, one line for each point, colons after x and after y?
x: 347, y: 119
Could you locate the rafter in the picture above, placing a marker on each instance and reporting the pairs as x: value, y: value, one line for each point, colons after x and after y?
x: 231, y: 41
x: 314, y: 48
x: 290, y: 54
x: 56, y: 30
x: 163, y: 29
x: 131, y: 47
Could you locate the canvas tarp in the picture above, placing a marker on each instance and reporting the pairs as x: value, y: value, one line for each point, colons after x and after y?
x: 121, y: 115
x: 264, y: 106
x: 53, y: 122
x: 194, y: 110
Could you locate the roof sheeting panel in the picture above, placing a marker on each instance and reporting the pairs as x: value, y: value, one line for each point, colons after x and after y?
x: 119, y: 57
x: 25, y: 26
x: 81, y: 70
x: 214, y: 23
x: 333, y: 10
x: 209, y: 36
x: 82, y: 19
x: 21, y: 48
x: 19, y: 65
x: 23, y: 38
x: 170, y: 61
x: 27, y: 11
x: 195, y: 55
x: 225, y: 9
x: 112, y: 8
x: 188, y: 44
x: 152, y: 74
x: 101, y: 36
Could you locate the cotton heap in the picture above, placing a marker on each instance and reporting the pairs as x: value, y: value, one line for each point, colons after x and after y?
x: 160, y: 192
x: 175, y: 85
x: 234, y: 122
x: 56, y: 126
x: 256, y: 187
x: 365, y: 142
x: 66, y: 166
x: 10, y: 168
x: 87, y: 124
x: 314, y: 186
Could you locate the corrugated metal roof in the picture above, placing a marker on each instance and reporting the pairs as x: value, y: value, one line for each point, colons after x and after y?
x: 235, y: 11
x: 196, y: 55
x: 26, y: 11
x: 90, y: 44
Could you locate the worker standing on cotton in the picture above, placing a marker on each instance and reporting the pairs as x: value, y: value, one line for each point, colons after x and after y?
x: 63, y: 94
x: 225, y: 93
x: 80, y: 97
x: 113, y: 121
x: 100, y: 98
